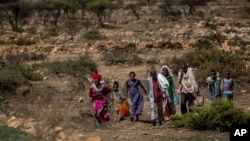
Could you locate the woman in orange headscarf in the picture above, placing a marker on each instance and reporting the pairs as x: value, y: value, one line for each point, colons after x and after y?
x: 98, y: 92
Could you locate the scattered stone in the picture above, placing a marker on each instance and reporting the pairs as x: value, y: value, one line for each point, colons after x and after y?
x: 94, y: 138
x: 29, y: 127
x: 80, y: 99
x: 76, y: 137
x: 58, y: 129
x: 3, y: 119
x: 243, y: 91
x: 14, y: 122
x: 61, y: 136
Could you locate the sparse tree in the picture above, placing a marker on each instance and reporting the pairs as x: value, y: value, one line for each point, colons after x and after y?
x: 135, y: 7
x: 43, y: 11
x: 71, y: 27
x: 7, y: 1
x: 16, y: 14
x: 99, y: 8
x: 193, y: 3
x: 83, y: 5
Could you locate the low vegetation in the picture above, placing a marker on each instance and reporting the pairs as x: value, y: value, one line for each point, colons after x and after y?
x: 125, y: 55
x: 14, y: 73
x: 78, y: 67
x: 19, y: 42
x: 11, y: 134
x: 219, y: 116
x: 29, y: 73
x: 53, y: 31
x: 93, y: 35
x: 203, y: 61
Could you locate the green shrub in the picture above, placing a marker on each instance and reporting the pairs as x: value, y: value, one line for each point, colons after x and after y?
x: 28, y: 73
x: 126, y: 55
x: 22, y: 42
x: 216, y: 37
x: 2, y: 42
x: 199, y: 14
x: 8, y: 84
x: 237, y: 41
x: 19, y: 41
x: 210, y: 25
x: 15, y: 60
x: 219, y: 116
x: 93, y: 35
x: 230, y: 30
x: 13, y: 134
x: 53, y: 31
x: 174, y: 13
x: 202, y: 44
x: 79, y: 67
x: 203, y: 61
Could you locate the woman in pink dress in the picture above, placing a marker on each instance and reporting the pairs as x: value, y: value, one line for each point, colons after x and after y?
x: 98, y: 92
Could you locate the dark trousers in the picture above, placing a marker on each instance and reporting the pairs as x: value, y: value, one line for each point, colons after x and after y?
x: 186, y: 97
x: 159, y: 111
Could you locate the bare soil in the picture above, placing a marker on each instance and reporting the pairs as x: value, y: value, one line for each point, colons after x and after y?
x: 56, y: 104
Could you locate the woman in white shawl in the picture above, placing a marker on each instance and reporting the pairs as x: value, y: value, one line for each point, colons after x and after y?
x: 157, y: 91
x: 168, y: 103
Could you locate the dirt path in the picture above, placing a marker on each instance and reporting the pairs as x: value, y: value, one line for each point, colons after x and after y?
x: 59, y: 107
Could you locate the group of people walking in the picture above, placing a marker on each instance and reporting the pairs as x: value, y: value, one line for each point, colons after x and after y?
x: 218, y: 87
x: 160, y: 91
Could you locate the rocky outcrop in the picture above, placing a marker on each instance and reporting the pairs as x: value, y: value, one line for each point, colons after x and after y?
x: 41, y: 129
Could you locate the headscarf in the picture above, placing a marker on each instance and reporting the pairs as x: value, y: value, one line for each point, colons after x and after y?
x: 169, y: 71
x: 97, y: 76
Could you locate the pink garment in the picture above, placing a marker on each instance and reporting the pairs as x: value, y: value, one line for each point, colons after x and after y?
x: 100, y: 103
x: 183, y: 90
x: 101, y: 109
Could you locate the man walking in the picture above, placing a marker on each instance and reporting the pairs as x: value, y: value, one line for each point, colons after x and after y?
x: 188, y: 87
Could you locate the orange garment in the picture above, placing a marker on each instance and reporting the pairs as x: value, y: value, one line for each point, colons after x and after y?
x: 124, y: 109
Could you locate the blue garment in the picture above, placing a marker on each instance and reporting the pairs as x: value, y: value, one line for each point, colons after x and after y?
x: 228, y: 88
x: 135, y: 96
x: 214, y: 87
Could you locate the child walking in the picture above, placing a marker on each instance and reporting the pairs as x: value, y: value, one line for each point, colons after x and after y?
x: 118, y: 103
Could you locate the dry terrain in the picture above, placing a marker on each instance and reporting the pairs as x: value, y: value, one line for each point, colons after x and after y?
x: 53, y: 110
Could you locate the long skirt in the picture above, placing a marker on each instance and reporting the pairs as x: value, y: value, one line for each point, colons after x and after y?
x: 137, y: 103
x: 168, y: 106
x: 100, y: 109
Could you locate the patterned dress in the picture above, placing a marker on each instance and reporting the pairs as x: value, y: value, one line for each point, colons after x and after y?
x: 214, y: 87
x: 228, y: 88
x: 135, y: 96
x: 100, y: 102
x: 115, y: 99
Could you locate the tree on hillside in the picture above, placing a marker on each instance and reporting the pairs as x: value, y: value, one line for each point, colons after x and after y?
x: 16, y: 14
x: 82, y: 4
x: 135, y: 7
x: 193, y: 3
x: 8, y: 1
x: 168, y: 10
x: 99, y: 7
x: 43, y: 11
x: 52, y: 11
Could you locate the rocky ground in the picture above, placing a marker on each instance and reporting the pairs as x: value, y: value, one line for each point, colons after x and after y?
x: 58, y: 114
